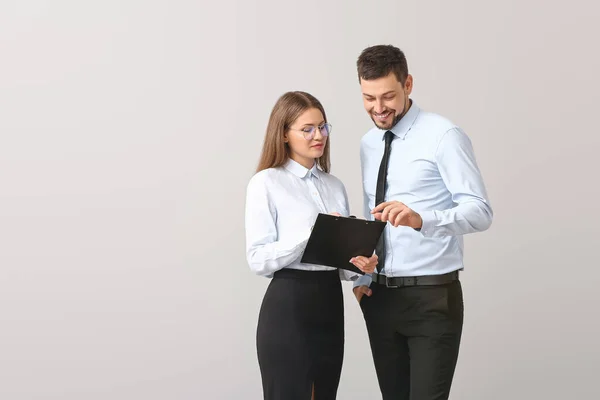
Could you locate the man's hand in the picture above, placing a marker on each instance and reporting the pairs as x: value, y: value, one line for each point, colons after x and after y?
x: 361, y: 291
x: 397, y: 214
x: 366, y: 265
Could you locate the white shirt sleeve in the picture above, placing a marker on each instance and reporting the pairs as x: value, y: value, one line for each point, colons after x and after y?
x: 264, y: 252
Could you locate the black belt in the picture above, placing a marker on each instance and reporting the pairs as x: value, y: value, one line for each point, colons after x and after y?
x: 425, y: 280
x: 322, y: 275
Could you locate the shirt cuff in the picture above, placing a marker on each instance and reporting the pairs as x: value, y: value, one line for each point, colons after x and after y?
x: 429, y: 223
x: 364, y: 280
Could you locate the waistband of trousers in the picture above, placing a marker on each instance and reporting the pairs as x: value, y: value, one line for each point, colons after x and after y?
x: 289, y: 273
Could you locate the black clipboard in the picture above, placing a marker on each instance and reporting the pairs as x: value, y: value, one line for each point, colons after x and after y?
x: 335, y: 240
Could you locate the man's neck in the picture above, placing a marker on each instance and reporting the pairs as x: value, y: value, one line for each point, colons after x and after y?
x: 407, y: 106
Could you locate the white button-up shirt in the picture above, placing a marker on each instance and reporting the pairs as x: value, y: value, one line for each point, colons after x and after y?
x: 282, y: 205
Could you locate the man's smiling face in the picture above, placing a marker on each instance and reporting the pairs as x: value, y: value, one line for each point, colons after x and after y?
x: 386, y: 99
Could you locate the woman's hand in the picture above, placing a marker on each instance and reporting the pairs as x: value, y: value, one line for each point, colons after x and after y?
x: 365, y: 264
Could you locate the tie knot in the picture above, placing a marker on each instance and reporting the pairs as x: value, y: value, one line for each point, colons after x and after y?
x: 389, y: 135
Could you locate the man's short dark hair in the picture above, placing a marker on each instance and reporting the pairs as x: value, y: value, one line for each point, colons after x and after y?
x: 378, y: 61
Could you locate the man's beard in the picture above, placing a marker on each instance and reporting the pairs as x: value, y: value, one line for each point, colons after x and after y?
x: 394, y: 122
x: 396, y: 119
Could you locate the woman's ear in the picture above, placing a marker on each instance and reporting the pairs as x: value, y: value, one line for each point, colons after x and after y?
x: 285, y: 138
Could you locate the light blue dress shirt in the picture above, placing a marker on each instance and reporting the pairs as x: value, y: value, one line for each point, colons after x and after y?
x: 432, y: 169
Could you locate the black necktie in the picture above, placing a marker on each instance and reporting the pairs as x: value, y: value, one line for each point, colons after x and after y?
x: 380, y: 194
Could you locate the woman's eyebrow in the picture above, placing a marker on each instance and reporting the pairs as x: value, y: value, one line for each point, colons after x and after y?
x: 313, y: 124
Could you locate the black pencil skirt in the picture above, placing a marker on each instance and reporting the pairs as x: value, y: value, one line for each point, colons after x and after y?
x: 300, y: 335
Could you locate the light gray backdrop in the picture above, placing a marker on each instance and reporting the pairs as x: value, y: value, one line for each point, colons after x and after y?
x: 129, y: 130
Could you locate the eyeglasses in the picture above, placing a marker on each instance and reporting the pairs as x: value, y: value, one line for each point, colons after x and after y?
x: 309, y: 131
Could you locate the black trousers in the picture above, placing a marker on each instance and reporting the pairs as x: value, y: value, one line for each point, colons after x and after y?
x: 415, y: 334
x: 300, y: 335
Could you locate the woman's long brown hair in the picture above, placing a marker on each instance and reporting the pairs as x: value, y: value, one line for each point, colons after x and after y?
x: 289, y: 107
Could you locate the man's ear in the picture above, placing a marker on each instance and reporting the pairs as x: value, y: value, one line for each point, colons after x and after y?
x: 408, y: 85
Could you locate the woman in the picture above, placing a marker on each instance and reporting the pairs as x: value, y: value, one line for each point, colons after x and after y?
x: 300, y: 334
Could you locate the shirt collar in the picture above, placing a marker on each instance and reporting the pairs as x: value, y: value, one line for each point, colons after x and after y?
x: 404, y: 125
x: 299, y: 170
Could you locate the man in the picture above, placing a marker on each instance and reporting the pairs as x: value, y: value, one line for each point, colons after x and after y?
x: 420, y: 175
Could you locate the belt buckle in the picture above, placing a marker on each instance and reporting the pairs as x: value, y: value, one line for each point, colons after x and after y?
x: 387, y: 283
